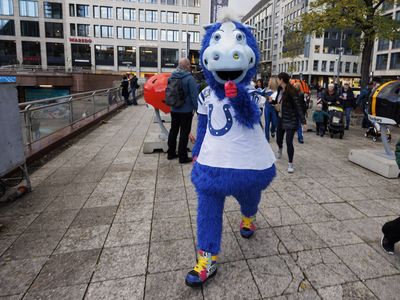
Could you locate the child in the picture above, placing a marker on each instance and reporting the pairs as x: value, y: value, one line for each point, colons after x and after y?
x: 391, y: 230
x: 318, y: 118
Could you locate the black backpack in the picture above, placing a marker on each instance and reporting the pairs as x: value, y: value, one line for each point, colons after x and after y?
x: 174, y: 93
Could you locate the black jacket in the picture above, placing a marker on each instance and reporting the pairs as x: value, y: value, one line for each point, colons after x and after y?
x: 125, y: 87
x: 329, y: 99
x: 349, y: 101
x: 292, y: 108
x: 134, y: 83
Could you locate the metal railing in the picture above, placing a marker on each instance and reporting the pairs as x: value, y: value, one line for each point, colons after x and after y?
x: 42, y: 118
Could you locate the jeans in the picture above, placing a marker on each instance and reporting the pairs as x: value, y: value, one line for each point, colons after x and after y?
x: 300, y: 131
x: 391, y: 230
x: 133, y: 91
x: 289, y: 139
x: 180, y: 123
x: 320, y: 128
x: 348, y: 115
x: 270, y: 120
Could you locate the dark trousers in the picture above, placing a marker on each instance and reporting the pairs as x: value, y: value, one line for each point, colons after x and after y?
x: 391, y: 230
x: 280, y: 133
x: 180, y: 123
x: 133, y: 92
x: 320, y: 128
x: 348, y: 116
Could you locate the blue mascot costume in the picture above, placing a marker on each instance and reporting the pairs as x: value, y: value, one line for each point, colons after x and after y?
x: 232, y: 156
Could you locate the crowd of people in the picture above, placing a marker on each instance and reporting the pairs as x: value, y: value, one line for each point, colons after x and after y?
x: 128, y: 89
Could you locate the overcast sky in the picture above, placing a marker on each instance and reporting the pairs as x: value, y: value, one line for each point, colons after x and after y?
x: 241, y: 6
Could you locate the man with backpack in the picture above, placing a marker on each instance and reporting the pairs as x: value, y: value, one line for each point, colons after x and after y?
x: 134, y: 85
x: 181, y: 94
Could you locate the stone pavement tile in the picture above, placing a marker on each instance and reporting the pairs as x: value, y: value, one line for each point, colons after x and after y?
x: 87, y: 176
x: 170, y: 194
x: 231, y: 204
x: 349, y: 194
x: 392, y: 204
x: 230, y: 249
x: 131, y: 197
x: 372, y: 208
x: 174, y: 209
x: 364, y: 261
x: 375, y: 192
x: 63, y: 293
x: 393, y: 259
x: 82, y: 189
x: 171, y: 255
x: 123, y: 167
x: 121, y: 262
x: 323, y: 268
x: 16, y: 224
x: 299, y: 238
x: 277, y: 275
x: 171, y: 229
x: 23, y: 206
x: 271, y: 199
x: 17, y: 275
x: 335, y: 233
x: 281, y: 216
x: 50, y: 220
x: 109, y: 198
x: 232, y: 281
x: 323, y: 195
x: 13, y: 297
x: 170, y: 285
x: 125, y: 234
x: 122, y: 176
x: 94, y: 216
x: 343, y: 211
x: 65, y: 202
x: 166, y: 182
x: 312, y: 213
x: 66, y: 269
x: 226, y: 226
x: 6, y: 241
x: 137, y: 212
x: 282, y: 184
x: 169, y: 169
x: 307, y: 183
x: 85, y: 238
x: 305, y: 295
x: 367, y: 229
x: 264, y: 242
x: 60, y: 179
x: 387, y: 288
x: 348, y: 291
x: 34, y: 244
x: 296, y: 197
x: 190, y: 192
x: 118, y: 289
x: 235, y: 217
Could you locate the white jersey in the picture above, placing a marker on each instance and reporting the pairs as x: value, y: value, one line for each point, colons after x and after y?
x: 228, y: 144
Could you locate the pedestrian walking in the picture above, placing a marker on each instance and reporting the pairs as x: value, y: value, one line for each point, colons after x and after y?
x: 134, y: 86
x: 290, y: 110
x: 318, y: 117
x: 297, y: 86
x: 182, y: 83
x: 329, y: 97
x: 391, y: 230
x: 363, y: 101
x: 125, y: 89
x: 346, y: 97
x: 270, y: 114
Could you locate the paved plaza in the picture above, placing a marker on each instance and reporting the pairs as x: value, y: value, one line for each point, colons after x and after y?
x: 106, y: 221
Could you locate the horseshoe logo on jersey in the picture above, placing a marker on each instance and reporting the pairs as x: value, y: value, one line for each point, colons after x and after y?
x: 225, y: 129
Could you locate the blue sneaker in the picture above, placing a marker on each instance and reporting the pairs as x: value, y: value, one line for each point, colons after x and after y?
x: 205, y: 268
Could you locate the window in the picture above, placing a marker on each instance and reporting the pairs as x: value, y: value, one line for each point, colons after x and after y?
x: 315, y: 66
x: 317, y: 48
x: 169, y: 58
x: 193, y: 19
x: 54, y: 30
x: 341, y: 67
x: 194, y: 36
x: 128, y: 33
x: 381, y: 61
x: 29, y: 28
x: 396, y: 44
x: 347, y: 68
x: 331, y: 66
x: 169, y: 35
x: 28, y: 8
x: 141, y: 15
x: 151, y: 16
x: 81, y: 55
x: 103, y: 12
x: 72, y: 29
x: 6, y: 8
x: 82, y: 10
x: 169, y: 2
x: 383, y: 44
x: 103, y: 31
x: 395, y: 61
x: 148, y: 34
x: 8, y: 53
x: 355, y: 68
x: 52, y: 10
x: 194, y: 3
x: 148, y: 57
x: 323, y: 67
x: 129, y: 14
x: 72, y: 10
x: 55, y: 54
x: 170, y: 17
x: 7, y: 27
x: 127, y: 56
x: 31, y: 53
x: 83, y: 30
x: 104, y: 55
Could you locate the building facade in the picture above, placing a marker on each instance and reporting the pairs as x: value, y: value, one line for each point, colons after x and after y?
x: 142, y: 36
x: 386, y: 55
x: 216, y: 5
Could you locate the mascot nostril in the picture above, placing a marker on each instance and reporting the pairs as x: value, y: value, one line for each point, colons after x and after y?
x: 216, y: 57
x: 232, y: 156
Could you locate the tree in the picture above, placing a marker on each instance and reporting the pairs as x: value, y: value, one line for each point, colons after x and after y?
x: 366, y: 16
x: 293, y: 46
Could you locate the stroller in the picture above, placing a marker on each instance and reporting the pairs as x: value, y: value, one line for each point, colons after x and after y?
x: 336, y: 121
x: 375, y: 132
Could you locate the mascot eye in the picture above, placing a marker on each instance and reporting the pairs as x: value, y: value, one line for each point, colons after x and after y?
x: 239, y: 37
x: 217, y: 37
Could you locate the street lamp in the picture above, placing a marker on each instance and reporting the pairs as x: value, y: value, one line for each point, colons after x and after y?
x: 340, y: 49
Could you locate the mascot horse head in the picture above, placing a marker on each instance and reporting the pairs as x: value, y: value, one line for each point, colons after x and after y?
x: 230, y: 53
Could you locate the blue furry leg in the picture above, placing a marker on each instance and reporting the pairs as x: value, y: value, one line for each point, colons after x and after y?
x: 209, y: 222
x: 249, y: 202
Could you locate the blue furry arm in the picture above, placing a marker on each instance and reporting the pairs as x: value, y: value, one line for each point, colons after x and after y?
x: 201, y: 132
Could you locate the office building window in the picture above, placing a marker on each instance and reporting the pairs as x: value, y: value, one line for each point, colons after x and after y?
x: 128, y: 33
x: 83, y: 29
x: 395, y: 61
x: 28, y: 8
x: 31, y: 53
x: 54, y: 30
x: 317, y: 48
x: 127, y: 56
x: 72, y: 10
x: 381, y: 61
x: 193, y: 19
x: 347, y: 68
x: 169, y: 2
x: 7, y: 27
x: 315, y: 67
x: 331, y: 66
x: 72, y: 29
x: 129, y: 14
x: 194, y: 36
x: 196, y: 3
x: 30, y: 28
x: 323, y: 67
x: 8, y: 53
x: 55, y: 54
x: 148, y: 57
x: 6, y: 7
x: 383, y: 44
x: 169, y: 58
x: 103, y: 31
x: 81, y: 55
x: 355, y: 68
x: 52, y: 10
x: 396, y: 44
x: 151, y: 16
x: 82, y: 11
x: 170, y: 17
x: 169, y: 35
x: 148, y: 34
x: 103, y: 12
x: 104, y: 55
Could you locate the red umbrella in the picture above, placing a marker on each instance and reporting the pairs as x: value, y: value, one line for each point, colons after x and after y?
x: 154, y: 91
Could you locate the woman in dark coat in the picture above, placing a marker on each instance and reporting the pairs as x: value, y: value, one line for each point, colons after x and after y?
x: 125, y: 89
x: 290, y: 110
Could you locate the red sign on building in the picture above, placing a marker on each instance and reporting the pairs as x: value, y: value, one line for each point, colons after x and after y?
x: 79, y: 40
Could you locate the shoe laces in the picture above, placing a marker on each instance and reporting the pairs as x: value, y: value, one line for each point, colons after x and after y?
x: 202, y: 263
x: 247, y: 222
